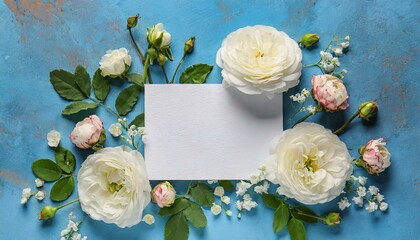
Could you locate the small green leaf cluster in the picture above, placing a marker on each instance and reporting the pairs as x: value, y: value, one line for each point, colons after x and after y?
x: 60, y: 172
x: 195, y: 74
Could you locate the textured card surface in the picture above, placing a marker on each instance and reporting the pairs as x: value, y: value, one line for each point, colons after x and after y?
x: 205, y: 131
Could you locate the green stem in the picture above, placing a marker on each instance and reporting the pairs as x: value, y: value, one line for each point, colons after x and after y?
x: 137, y: 47
x: 318, y: 109
x: 105, y: 106
x: 312, y: 216
x: 164, y: 73
x: 66, y: 204
x: 177, y: 68
x: 341, y: 129
x: 189, y: 189
x: 146, y: 70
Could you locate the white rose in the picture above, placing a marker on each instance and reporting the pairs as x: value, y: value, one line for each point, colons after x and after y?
x: 53, y: 138
x: 113, y: 186
x: 260, y: 60
x: 115, y: 63
x: 155, y: 33
x: 115, y: 129
x: 310, y: 163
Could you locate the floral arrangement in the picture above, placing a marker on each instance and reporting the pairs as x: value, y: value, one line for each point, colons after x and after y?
x: 308, y: 164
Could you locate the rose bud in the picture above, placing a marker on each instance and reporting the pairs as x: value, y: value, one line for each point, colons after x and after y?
x: 115, y: 63
x: 47, y: 212
x: 189, y: 45
x: 158, y: 37
x: 375, y: 157
x: 329, y: 92
x: 332, y: 219
x: 132, y: 21
x: 163, y: 194
x: 309, y: 39
x: 368, y: 110
x: 89, y: 133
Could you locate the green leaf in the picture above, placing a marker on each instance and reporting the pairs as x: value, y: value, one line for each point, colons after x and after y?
x: 138, y: 121
x: 82, y: 79
x: 101, y: 85
x: 195, y: 74
x: 46, y: 169
x: 271, y: 200
x: 127, y: 99
x: 202, y: 194
x: 176, y: 228
x: 226, y: 184
x: 296, y: 211
x: 135, y: 78
x: 296, y: 229
x: 77, y: 107
x: 65, y: 159
x: 62, y: 189
x: 281, y: 217
x: 65, y: 85
x: 179, y: 205
x: 195, y: 215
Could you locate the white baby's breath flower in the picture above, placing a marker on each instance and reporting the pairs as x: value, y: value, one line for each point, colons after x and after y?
x: 347, y: 38
x: 53, y: 138
x: 212, y: 181
x: 229, y: 213
x: 373, y: 190
x: 239, y: 205
x: 344, y: 44
x: 115, y: 129
x: 248, y: 204
x: 362, y: 180
x: 40, y: 195
x: 219, y: 191
x: 379, y: 197
x: 372, y: 206
x: 149, y: 219
x: 335, y: 62
x: 343, y: 203
x: 254, y: 179
x: 358, y: 201
x: 242, y: 187
x: 262, y: 188
x: 325, y: 55
x: 26, y: 192
x: 23, y: 200
x: 310, y: 164
x: 225, y: 200
x: 39, y: 182
x: 338, y: 51
x: 328, y: 67
x: 216, y: 209
x: 311, y: 108
x: 383, y: 206
x: 361, y: 191
x: 260, y: 60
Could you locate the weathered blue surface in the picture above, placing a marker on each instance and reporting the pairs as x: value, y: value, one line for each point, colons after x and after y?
x: 38, y: 36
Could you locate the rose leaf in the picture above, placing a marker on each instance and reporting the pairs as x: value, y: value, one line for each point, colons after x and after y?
x: 46, y: 169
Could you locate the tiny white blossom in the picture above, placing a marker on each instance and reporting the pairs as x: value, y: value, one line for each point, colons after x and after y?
x: 325, y: 55
x: 379, y: 197
x: 383, y: 207
x: 328, y: 67
x: 39, y: 182
x: 219, y: 191
x: 239, y: 205
x: 361, y: 191
x: 225, y: 200
x: 362, y: 180
x: 40, y: 195
x: 64, y: 232
x: 372, y: 206
x: 242, y: 187
x: 262, y: 188
x: 254, y: 179
x: 216, y: 209
x: 239, y: 216
x: 335, y: 62
x: 115, y: 129
x: 305, y: 92
x: 358, y: 201
x: 23, y: 200
x: 345, y: 44
x: 149, y: 219
x: 212, y: 181
x: 72, y: 225
x: 229, y: 213
x: 347, y: 38
x: 373, y: 190
x: 76, y: 236
x: 338, y: 51
x: 310, y: 108
x: 53, y: 138
x: 344, y: 71
x: 71, y: 216
x: 343, y: 203
x: 26, y: 192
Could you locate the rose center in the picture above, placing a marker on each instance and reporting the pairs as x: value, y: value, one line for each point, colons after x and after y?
x: 311, y: 163
x: 116, y: 180
x: 258, y: 53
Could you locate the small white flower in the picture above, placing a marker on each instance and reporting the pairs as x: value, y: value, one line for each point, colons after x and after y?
x: 262, y: 188
x: 344, y: 203
x: 219, y: 191
x: 216, y: 209
x: 239, y: 205
x: 335, y: 62
x: 362, y: 180
x: 361, y: 191
x: 383, y: 207
x: 306, y: 92
x: 242, y: 187
x: 372, y: 206
x: 76, y: 236
x: 53, y: 138
x: 115, y: 63
x: 328, y: 67
x: 225, y: 200
x: 325, y: 55
x: 72, y: 226
x: 239, y: 215
x: 248, y: 204
x: 39, y: 182
x: 23, y: 200
x: 344, y: 71
x: 64, y: 232
x: 115, y: 129
x: 254, y: 179
x: 338, y: 51
x: 347, y: 38
x: 71, y: 216
x: 344, y: 44
x: 26, y: 192
x: 358, y: 201
x: 379, y: 197
x: 40, y: 195
x: 149, y: 219
x: 212, y: 181
x: 311, y: 108
x: 229, y: 213
x: 373, y: 190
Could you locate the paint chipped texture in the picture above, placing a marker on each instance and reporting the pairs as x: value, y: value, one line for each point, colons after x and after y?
x: 42, y: 35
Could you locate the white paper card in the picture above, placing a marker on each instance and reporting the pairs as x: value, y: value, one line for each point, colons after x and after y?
x: 205, y: 131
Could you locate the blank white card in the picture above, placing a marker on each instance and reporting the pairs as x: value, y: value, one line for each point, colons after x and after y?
x: 205, y: 132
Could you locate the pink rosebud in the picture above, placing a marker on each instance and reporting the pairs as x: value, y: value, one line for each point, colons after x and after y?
x: 163, y: 194
x: 329, y: 92
x: 375, y: 157
x: 88, y: 133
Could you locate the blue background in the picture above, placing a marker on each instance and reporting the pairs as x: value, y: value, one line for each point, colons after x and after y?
x: 39, y: 36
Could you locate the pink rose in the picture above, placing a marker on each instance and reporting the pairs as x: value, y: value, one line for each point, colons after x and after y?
x: 375, y: 157
x: 330, y: 92
x: 163, y: 194
x: 88, y: 133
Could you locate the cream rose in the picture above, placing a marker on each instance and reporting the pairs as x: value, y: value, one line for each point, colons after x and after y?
x: 115, y: 63
x: 155, y: 33
x: 310, y: 163
x: 113, y: 186
x: 260, y: 60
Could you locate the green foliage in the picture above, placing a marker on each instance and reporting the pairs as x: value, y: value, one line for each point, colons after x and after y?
x: 82, y: 80
x: 281, y: 217
x: 177, y: 228
x: 271, y: 200
x: 65, y: 85
x: 46, y: 170
x: 202, y: 194
x: 62, y: 189
x: 138, y: 121
x: 296, y: 229
x: 135, y: 78
x: 127, y: 99
x: 179, y: 205
x: 195, y: 215
x: 65, y: 159
x: 101, y: 85
x: 195, y: 74
x: 226, y: 184
x: 78, y: 106
x: 302, y: 212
